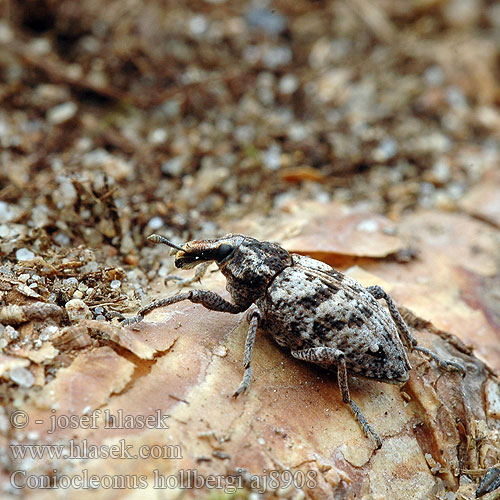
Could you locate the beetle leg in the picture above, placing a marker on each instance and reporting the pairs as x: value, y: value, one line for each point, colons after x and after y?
x: 327, y: 356
x: 200, y: 271
x: 254, y: 319
x: 206, y: 298
x: 408, y: 339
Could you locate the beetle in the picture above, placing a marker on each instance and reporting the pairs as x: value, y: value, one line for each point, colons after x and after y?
x: 321, y: 315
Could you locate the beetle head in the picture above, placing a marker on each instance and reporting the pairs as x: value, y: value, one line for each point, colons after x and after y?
x: 248, y: 264
x: 219, y: 250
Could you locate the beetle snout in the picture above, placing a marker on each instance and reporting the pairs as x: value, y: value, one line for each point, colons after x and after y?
x: 184, y: 259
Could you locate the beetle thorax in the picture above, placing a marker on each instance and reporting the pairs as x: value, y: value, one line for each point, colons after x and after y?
x: 252, y: 268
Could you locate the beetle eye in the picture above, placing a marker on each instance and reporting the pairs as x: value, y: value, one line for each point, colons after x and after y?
x: 223, y: 251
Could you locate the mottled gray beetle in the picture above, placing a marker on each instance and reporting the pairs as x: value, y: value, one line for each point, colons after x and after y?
x: 321, y: 315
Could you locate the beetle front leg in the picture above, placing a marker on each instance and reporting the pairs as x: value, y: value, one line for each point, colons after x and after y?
x: 206, y: 298
x: 254, y: 319
x: 200, y: 271
x: 408, y: 339
x: 327, y: 356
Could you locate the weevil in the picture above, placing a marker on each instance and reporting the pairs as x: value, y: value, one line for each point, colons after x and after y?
x: 321, y: 315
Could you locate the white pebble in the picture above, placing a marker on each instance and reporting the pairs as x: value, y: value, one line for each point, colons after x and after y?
x: 7, y: 212
x: 50, y: 330
x: 198, y: 25
x: 157, y: 136
x: 163, y: 272
x: 11, y: 332
x: 70, y: 282
x: 272, y: 157
x: 90, y: 267
x: 6, y: 33
x: 368, y: 226
x: 115, y: 284
x: 288, y: 84
x: 24, y: 254
x: 22, y: 377
x: 275, y: 57
x: 62, y: 113
x: 386, y: 150
x: 175, y: 166
x: 77, y: 309
x: 155, y: 223
x: 40, y: 216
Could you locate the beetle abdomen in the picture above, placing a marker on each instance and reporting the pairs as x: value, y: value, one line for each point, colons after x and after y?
x: 310, y: 304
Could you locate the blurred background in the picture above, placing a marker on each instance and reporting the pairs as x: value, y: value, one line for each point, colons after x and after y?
x: 134, y: 117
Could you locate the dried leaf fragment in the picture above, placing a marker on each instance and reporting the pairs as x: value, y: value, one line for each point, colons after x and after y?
x: 87, y: 382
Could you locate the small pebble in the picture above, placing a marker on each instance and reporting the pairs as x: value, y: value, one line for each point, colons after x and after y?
x: 175, y: 166
x: 62, y: 239
x: 62, y: 113
x: 267, y: 20
x: 22, y: 377
x: 11, y: 332
x: 220, y: 351
x: 6, y: 33
x: 90, y: 267
x: 24, y: 254
x: 77, y: 309
x: 386, y: 150
x: 368, y: 226
x: 8, y: 212
x: 70, y: 282
x: 155, y: 223
x: 40, y: 216
x: 49, y: 330
x: 275, y: 57
x: 24, y: 277
x: 115, y: 284
x: 198, y: 25
x: 272, y: 157
x: 434, y: 75
x: 288, y: 84
x: 158, y: 136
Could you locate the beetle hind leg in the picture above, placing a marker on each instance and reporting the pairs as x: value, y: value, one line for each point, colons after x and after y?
x: 408, y: 339
x: 327, y: 356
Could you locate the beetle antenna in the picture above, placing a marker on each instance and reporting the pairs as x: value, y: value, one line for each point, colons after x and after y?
x: 156, y: 238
